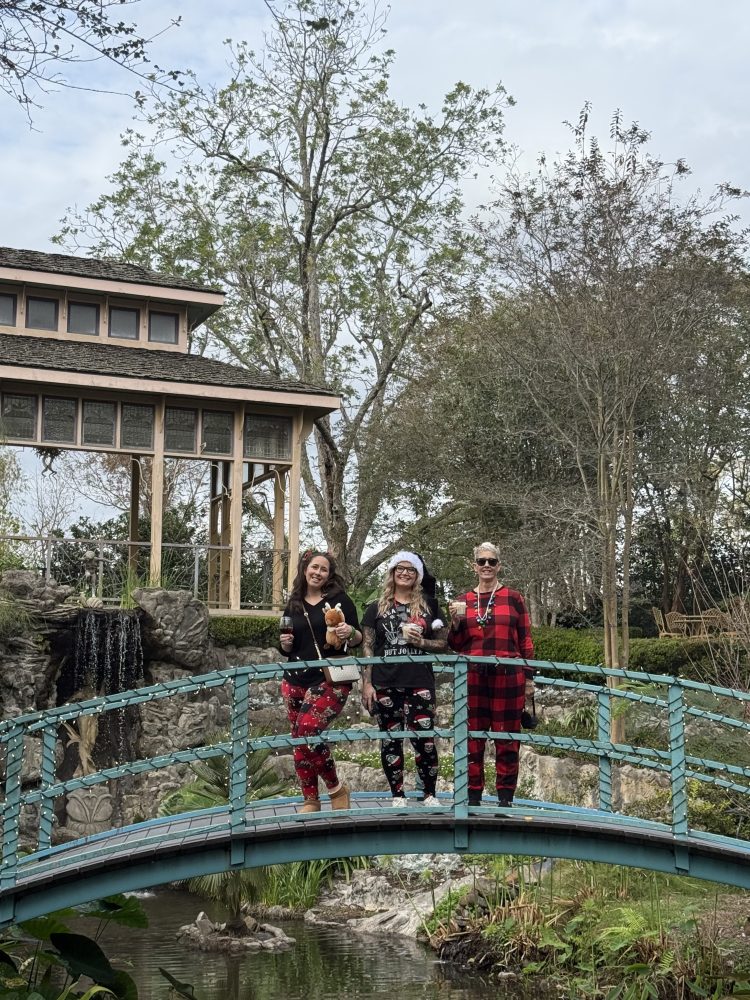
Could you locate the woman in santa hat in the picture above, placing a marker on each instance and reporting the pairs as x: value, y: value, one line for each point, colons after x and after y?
x: 401, y: 695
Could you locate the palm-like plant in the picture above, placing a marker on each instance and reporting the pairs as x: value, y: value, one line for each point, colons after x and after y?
x: 209, y: 789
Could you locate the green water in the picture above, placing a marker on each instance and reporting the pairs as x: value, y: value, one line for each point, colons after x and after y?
x: 327, y: 962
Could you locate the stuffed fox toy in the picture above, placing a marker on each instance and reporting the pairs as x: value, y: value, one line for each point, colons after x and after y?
x: 333, y: 617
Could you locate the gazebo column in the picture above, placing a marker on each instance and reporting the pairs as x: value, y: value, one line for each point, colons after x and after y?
x: 133, y: 528
x: 279, y: 512
x: 235, y: 514
x: 157, y: 496
x: 295, y: 483
x: 213, y: 536
x: 226, y: 534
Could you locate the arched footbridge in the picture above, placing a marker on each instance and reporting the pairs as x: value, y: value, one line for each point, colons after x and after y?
x: 39, y: 874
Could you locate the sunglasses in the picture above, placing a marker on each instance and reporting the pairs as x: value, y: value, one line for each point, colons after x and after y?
x: 487, y: 561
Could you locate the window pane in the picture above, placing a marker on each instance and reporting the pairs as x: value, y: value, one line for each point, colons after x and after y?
x: 59, y: 420
x: 18, y: 417
x: 268, y: 437
x: 217, y: 432
x: 137, y: 426
x: 179, y: 429
x: 41, y: 314
x: 83, y: 317
x: 124, y: 323
x: 98, y: 422
x: 8, y: 310
x: 162, y: 327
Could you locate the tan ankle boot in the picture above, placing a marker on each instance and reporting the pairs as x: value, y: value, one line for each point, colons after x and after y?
x: 310, y: 806
x: 340, y: 799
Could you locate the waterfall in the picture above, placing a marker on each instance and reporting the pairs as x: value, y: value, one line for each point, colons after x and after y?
x: 108, y: 657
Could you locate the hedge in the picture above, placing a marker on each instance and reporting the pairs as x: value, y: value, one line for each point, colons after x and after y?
x: 245, y: 630
x: 693, y: 657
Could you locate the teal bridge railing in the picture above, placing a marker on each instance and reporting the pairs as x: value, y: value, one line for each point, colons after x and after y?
x: 38, y: 875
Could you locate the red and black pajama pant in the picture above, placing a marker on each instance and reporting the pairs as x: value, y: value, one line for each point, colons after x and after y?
x: 310, y: 710
x: 496, y: 700
x: 397, y: 709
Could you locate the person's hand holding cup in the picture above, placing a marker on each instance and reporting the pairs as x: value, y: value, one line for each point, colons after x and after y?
x: 286, y: 633
x: 412, y: 632
x: 457, y: 611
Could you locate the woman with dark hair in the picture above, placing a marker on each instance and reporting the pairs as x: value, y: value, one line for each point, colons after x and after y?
x: 313, y: 702
x: 402, y: 695
x: 492, y: 620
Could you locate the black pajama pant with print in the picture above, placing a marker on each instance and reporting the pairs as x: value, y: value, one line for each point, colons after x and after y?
x: 397, y: 709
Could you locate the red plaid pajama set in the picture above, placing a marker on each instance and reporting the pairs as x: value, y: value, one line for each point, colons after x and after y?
x: 496, y: 693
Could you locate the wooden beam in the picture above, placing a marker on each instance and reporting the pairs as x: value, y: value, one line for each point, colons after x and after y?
x: 213, y: 537
x: 133, y: 529
x: 226, y: 536
x: 279, y: 504
x: 157, y: 495
x: 235, y: 513
x: 294, y: 495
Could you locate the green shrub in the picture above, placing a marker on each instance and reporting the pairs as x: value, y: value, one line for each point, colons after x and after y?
x: 691, y: 658
x: 567, y: 645
x: 244, y: 630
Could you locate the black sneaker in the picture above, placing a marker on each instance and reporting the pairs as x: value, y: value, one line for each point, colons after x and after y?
x: 506, y: 801
x: 475, y: 797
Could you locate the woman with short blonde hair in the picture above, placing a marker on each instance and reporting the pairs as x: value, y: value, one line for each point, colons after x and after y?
x: 492, y: 620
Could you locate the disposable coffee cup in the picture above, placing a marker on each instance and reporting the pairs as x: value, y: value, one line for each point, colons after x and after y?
x: 411, y: 631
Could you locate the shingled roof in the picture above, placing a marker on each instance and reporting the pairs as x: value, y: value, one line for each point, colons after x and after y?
x: 90, y: 267
x: 139, y: 363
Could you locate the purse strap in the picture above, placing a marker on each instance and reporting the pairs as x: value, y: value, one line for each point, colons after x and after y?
x: 315, y: 641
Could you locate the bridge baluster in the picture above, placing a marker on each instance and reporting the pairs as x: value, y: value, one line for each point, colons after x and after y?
x: 47, y: 773
x: 238, y: 765
x: 604, y: 723
x: 461, y: 751
x: 12, y: 806
x: 677, y: 775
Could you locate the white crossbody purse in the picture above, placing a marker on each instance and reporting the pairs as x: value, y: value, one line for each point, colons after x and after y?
x: 347, y: 673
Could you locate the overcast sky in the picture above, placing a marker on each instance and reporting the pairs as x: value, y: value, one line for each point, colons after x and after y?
x: 678, y: 68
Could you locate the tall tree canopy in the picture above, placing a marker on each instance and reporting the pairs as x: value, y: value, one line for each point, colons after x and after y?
x: 333, y: 216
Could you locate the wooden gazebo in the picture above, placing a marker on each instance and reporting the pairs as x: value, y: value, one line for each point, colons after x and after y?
x: 94, y: 356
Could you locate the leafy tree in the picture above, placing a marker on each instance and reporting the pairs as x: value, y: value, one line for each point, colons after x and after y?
x: 620, y: 286
x: 39, y: 39
x: 333, y: 217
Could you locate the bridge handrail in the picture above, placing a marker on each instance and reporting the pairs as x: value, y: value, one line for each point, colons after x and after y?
x: 35, y: 721
x: 674, y: 761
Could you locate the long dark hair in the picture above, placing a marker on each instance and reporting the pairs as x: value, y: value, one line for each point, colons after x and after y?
x: 333, y: 585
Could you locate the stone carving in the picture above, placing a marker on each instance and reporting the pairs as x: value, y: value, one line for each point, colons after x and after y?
x: 89, y: 811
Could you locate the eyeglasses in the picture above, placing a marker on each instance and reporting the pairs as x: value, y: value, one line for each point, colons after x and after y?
x: 487, y: 561
x: 405, y: 569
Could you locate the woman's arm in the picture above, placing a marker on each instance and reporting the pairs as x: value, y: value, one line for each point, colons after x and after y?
x: 349, y: 629
x: 437, y: 644
x: 368, y: 648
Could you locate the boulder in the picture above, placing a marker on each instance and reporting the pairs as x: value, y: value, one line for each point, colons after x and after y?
x: 175, y: 627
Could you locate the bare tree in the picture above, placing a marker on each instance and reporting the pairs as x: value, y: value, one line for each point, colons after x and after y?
x: 39, y: 39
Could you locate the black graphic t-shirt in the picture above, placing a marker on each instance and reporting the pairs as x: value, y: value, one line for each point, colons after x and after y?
x: 390, y: 641
x: 303, y: 647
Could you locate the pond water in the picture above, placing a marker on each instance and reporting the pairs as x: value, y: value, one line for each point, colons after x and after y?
x: 326, y: 963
